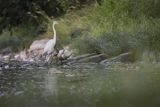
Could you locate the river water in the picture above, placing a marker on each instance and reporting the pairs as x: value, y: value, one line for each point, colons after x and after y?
x: 82, y: 85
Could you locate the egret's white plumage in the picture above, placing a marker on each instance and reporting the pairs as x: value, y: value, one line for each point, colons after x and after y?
x: 49, y: 47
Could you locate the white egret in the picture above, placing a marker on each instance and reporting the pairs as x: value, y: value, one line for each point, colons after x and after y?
x: 49, y: 47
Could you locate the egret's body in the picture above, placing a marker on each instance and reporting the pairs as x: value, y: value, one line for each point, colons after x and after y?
x: 49, y: 47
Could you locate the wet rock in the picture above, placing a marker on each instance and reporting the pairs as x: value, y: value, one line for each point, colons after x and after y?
x: 6, y: 66
x: 36, y: 49
x: 37, y: 45
x: 7, y: 57
x: 23, y: 55
x: 64, y: 53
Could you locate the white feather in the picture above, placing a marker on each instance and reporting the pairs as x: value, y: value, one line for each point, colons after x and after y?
x: 49, y: 47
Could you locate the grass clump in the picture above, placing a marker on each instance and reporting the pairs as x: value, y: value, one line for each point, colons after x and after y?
x: 121, y: 26
x: 19, y: 37
x: 7, y: 41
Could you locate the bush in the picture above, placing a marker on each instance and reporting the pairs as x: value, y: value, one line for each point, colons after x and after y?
x: 9, y: 41
x: 110, y: 43
x: 86, y: 44
x: 20, y: 38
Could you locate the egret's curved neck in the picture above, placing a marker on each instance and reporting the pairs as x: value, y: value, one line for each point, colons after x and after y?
x: 54, y: 31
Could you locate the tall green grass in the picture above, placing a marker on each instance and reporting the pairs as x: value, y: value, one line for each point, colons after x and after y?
x: 121, y: 26
x: 20, y: 38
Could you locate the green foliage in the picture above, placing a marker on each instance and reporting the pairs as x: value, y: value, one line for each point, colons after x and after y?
x: 15, y: 12
x: 21, y: 38
x: 7, y: 41
x: 85, y: 44
x: 131, y: 8
x: 110, y: 43
x: 120, y: 26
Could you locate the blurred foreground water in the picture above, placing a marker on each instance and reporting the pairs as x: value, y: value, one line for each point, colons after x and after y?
x: 82, y: 85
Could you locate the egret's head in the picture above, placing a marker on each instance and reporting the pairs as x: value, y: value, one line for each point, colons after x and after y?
x: 55, y: 22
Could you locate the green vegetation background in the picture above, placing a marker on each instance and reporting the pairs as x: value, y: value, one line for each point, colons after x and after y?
x: 103, y: 26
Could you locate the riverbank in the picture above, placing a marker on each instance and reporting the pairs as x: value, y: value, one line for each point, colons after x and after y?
x: 33, y: 57
x: 79, y: 61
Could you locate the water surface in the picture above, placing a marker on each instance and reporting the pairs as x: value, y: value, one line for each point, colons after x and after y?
x: 82, y: 85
